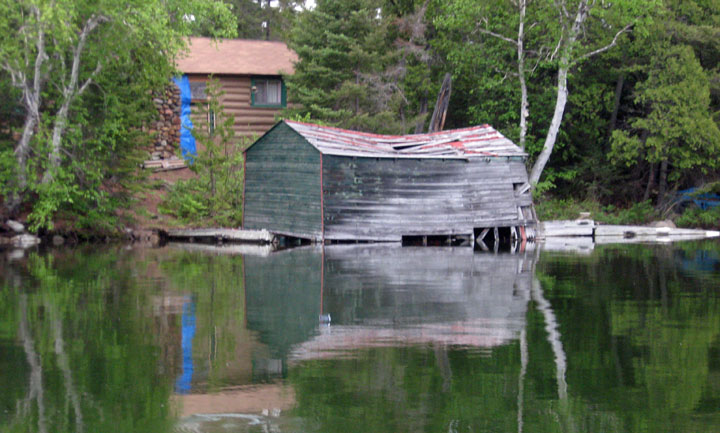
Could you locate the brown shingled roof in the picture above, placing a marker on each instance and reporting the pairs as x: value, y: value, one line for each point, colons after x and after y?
x: 237, y: 56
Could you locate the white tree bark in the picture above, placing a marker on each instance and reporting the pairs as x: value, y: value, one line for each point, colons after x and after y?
x: 562, y: 91
x: 560, y: 102
x: 70, y: 92
x: 567, y: 46
x: 32, y: 98
x: 524, y: 105
x: 36, y: 390
x: 521, y: 71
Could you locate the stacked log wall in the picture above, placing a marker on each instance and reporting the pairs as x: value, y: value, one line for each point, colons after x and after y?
x: 166, y: 129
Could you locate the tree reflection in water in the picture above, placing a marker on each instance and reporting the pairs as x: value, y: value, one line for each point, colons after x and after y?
x: 623, y: 338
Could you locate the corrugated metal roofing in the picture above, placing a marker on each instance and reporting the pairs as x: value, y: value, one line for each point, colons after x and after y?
x: 474, y: 142
x: 237, y: 57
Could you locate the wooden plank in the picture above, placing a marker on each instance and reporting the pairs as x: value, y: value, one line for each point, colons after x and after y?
x: 229, y: 235
x: 565, y: 228
x: 643, y: 231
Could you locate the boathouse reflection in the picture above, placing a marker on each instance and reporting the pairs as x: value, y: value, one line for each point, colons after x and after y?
x: 344, y: 297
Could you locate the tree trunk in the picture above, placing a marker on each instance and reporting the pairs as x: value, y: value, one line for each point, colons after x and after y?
x: 562, y: 92
x: 22, y: 150
x: 70, y: 92
x: 560, y: 102
x: 58, y: 130
x: 420, y: 124
x: 32, y: 98
x: 616, y: 106
x: 437, y: 122
x: 524, y: 110
x: 662, y: 183
x: 651, y: 182
x: 357, y: 99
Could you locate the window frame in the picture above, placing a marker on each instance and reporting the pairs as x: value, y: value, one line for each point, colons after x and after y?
x: 253, y: 86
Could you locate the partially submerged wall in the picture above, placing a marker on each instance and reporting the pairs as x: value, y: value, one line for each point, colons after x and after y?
x: 386, y: 198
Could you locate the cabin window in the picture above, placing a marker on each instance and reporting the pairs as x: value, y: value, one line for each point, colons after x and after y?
x: 267, y: 92
x: 197, y: 90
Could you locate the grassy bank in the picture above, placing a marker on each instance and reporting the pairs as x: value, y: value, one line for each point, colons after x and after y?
x: 552, y: 208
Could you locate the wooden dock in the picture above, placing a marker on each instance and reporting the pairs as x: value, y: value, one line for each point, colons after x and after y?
x: 611, y: 233
x: 220, y: 235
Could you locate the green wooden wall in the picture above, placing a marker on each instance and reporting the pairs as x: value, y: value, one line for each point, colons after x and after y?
x: 282, y: 185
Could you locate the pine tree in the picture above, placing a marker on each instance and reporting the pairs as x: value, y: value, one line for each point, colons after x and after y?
x: 343, y: 48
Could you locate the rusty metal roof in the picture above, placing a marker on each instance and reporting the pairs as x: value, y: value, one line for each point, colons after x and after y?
x: 473, y: 142
x: 237, y: 57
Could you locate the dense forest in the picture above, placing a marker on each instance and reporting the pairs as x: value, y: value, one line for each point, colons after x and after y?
x: 616, y: 103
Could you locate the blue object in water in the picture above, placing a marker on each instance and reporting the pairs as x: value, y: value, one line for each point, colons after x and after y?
x: 183, y: 383
x: 187, y: 141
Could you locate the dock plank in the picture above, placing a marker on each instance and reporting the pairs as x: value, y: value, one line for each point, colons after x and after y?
x: 227, y: 235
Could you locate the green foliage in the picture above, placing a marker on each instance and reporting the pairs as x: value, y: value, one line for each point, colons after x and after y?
x: 97, y: 352
x: 349, y: 74
x: 85, y: 148
x: 215, y: 195
x: 694, y: 217
x: 256, y: 19
x: 678, y: 127
x: 568, y: 208
x: 184, y: 201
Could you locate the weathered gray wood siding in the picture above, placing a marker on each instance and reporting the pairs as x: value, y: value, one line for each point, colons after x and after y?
x: 282, y: 185
x: 362, y: 281
x: 384, y: 199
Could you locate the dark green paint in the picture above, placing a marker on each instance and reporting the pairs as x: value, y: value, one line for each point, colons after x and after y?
x: 282, y: 184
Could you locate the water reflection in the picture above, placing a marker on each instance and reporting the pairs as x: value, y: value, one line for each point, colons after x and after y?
x: 386, y: 296
x: 361, y: 338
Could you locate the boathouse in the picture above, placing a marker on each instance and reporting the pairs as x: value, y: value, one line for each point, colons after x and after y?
x: 328, y: 184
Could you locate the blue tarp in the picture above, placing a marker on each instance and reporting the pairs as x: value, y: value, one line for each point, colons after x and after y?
x: 187, y: 141
x: 704, y: 201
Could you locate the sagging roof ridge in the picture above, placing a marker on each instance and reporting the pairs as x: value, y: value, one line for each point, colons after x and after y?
x: 464, y: 143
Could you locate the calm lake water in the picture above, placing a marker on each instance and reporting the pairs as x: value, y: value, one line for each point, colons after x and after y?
x: 361, y: 339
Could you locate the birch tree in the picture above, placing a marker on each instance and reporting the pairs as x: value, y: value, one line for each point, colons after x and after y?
x: 55, y: 51
x: 535, y: 33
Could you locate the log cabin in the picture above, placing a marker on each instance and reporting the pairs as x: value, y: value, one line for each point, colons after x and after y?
x: 327, y: 184
x: 250, y: 73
